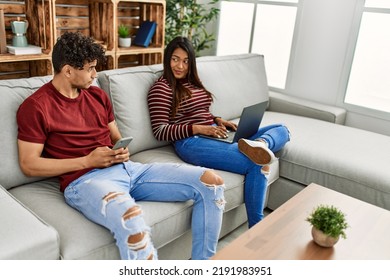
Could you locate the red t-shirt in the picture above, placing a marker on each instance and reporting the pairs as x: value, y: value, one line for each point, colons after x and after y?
x: 68, y: 128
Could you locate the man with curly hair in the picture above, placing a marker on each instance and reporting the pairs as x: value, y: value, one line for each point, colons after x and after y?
x: 67, y: 129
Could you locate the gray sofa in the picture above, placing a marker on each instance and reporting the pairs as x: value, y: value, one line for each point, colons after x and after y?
x: 37, y: 224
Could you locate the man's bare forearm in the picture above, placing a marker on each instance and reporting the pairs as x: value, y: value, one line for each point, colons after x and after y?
x: 47, y: 167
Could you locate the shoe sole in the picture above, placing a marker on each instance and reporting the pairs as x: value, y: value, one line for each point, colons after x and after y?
x: 258, y: 155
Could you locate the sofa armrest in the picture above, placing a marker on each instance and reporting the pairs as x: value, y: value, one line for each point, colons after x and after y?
x: 23, y: 235
x: 283, y: 103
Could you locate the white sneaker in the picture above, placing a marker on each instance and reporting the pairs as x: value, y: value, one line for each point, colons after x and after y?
x: 256, y: 151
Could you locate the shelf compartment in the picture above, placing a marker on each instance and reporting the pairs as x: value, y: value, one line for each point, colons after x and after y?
x: 131, y: 60
x: 38, y: 15
x: 133, y: 13
x: 25, y: 69
x: 92, y: 18
x: 110, y: 63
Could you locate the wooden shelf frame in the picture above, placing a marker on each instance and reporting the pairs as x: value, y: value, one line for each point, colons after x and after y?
x: 48, y: 19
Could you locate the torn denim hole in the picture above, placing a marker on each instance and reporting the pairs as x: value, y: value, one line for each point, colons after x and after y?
x: 220, y: 202
x: 112, y: 196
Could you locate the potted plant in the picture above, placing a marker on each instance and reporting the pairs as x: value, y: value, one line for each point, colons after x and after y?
x: 328, y: 224
x: 124, y: 36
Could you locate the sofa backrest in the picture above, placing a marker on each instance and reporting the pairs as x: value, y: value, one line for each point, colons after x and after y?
x: 236, y: 81
x: 12, y: 94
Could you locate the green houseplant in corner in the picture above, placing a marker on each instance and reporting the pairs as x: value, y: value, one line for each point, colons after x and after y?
x: 189, y: 18
x: 124, y: 36
x: 329, y: 223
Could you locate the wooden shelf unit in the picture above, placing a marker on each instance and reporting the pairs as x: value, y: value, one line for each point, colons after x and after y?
x: 39, y: 33
x: 96, y: 18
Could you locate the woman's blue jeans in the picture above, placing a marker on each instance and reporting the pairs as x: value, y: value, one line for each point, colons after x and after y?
x: 224, y: 156
x: 108, y: 197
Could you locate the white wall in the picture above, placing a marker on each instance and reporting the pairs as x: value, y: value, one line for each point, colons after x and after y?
x: 318, y: 57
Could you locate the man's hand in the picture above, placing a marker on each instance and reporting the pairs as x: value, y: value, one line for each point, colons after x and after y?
x: 105, y: 157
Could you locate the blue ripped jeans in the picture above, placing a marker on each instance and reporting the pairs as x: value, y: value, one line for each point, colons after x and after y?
x: 224, y: 156
x: 108, y: 197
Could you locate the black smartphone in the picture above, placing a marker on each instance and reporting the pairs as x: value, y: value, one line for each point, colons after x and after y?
x: 122, y: 143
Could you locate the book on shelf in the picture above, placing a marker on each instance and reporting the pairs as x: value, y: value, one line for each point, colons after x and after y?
x: 145, y: 33
x: 30, y: 49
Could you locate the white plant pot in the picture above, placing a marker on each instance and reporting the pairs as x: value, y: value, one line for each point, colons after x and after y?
x: 322, y: 239
x: 124, y: 42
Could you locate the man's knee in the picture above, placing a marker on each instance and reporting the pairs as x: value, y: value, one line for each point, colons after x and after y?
x: 209, y: 177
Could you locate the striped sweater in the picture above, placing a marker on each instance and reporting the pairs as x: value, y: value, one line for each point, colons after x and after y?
x: 194, y: 110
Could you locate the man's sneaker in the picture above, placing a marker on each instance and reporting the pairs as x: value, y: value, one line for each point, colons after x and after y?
x: 256, y: 151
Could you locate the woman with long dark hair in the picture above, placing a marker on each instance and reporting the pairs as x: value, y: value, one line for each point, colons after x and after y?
x: 179, y: 107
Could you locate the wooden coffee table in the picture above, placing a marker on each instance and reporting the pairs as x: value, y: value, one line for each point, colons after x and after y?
x: 285, y: 235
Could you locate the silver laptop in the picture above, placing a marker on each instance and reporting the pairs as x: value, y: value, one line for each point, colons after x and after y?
x: 247, y: 126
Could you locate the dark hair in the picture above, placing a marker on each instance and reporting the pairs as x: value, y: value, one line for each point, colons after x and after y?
x: 75, y: 49
x: 179, y: 92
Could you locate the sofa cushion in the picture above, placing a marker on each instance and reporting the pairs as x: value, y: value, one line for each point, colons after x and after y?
x: 337, y: 157
x: 23, y: 234
x: 223, y: 76
x: 13, y: 93
x: 128, y: 89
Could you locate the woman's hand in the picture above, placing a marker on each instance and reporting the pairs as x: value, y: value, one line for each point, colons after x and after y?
x: 227, y: 124
x: 210, y: 130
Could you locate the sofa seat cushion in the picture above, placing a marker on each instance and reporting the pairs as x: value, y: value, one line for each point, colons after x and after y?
x: 335, y: 156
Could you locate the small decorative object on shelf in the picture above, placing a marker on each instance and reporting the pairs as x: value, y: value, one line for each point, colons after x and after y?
x: 124, y: 36
x: 329, y: 223
x: 19, y: 28
x: 3, y: 43
x: 145, y: 33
